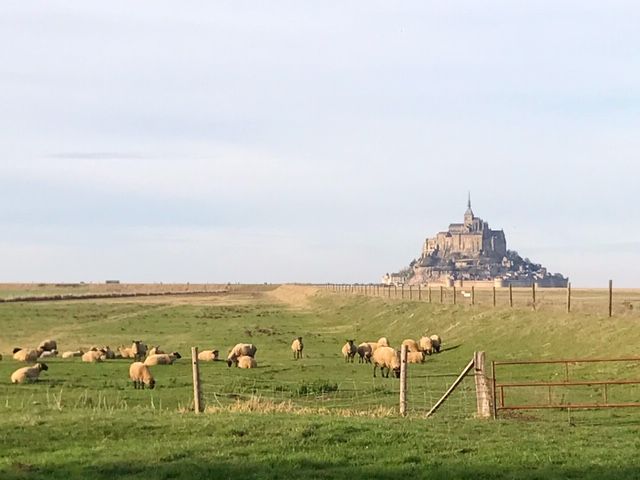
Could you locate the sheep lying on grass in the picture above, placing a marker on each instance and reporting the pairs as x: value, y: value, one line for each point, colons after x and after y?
x: 386, y: 357
x: 296, y: 348
x: 48, y: 345
x: 93, y: 356
x: 28, y: 374
x: 25, y: 354
x: 162, y: 358
x: 140, y: 375
x: 126, y: 352
x: 71, y: 354
x: 208, y: 355
x: 349, y: 351
x: 48, y: 354
x: 245, y: 361
x: 248, y: 349
x: 155, y: 351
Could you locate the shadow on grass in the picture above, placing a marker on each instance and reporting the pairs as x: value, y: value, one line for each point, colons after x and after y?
x: 179, y: 467
x: 452, y: 347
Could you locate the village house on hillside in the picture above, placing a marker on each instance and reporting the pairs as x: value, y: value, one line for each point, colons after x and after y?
x: 472, y: 253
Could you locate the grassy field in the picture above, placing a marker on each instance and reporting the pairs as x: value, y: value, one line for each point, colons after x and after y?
x: 317, y: 417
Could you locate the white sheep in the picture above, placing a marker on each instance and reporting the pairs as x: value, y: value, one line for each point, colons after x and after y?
x: 155, y: 351
x: 365, y: 351
x: 208, y: 355
x: 48, y: 345
x: 412, y: 345
x: 415, y: 357
x: 126, y: 352
x: 248, y: 349
x: 72, y: 354
x: 386, y: 357
x: 93, y: 356
x: 28, y: 374
x: 25, y: 354
x: 48, y: 353
x: 437, y: 342
x: 349, y: 351
x: 383, y: 342
x: 140, y: 375
x: 426, y: 345
x: 162, y: 359
x: 296, y: 348
x: 245, y: 361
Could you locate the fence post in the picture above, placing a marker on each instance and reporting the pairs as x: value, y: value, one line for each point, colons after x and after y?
x: 441, y: 293
x: 429, y: 294
x: 419, y: 292
x: 410, y: 292
x: 533, y: 294
x: 568, y: 297
x: 403, y: 380
x: 395, y: 291
x: 454, y: 295
x: 197, y: 391
x: 511, y: 295
x: 473, y: 295
x: 483, y: 397
x: 610, y: 298
x: 494, y: 296
x: 402, y: 291
x: 389, y: 292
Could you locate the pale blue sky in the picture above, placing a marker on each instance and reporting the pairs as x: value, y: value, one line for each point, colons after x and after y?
x: 314, y: 141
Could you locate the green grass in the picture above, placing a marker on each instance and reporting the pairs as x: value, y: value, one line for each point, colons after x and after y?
x: 317, y: 417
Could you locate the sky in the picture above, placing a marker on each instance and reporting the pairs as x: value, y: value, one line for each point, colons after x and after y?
x: 300, y: 141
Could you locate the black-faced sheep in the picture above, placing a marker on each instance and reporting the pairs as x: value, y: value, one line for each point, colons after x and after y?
x: 208, y: 355
x: 437, y: 342
x: 140, y: 375
x: 28, y: 374
x: 386, y: 357
x: 245, y: 361
x: 364, y: 352
x: 426, y: 345
x: 93, y: 356
x: 48, y: 345
x: 25, y: 354
x: 139, y: 350
x: 162, y: 358
x: 248, y: 349
x: 296, y: 348
x: 349, y: 351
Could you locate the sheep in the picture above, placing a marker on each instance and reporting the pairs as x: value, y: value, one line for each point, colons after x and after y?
x: 28, y: 374
x: 349, y: 351
x: 240, y: 349
x: 48, y: 353
x: 93, y: 356
x: 296, y: 348
x: 415, y: 357
x: 426, y: 345
x: 383, y: 342
x: 48, y: 345
x: 412, y: 345
x: 126, y: 352
x: 139, y: 350
x: 245, y: 361
x: 25, y: 354
x: 208, y: 355
x: 155, y: 351
x: 364, y: 352
x: 162, y: 359
x: 437, y: 342
x: 71, y: 354
x: 140, y: 375
x: 386, y: 357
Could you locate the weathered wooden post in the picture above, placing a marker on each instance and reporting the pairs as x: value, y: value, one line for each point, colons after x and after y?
x: 483, y: 396
x: 610, y: 298
x: 568, y: 297
x: 454, y: 295
x: 197, y: 391
x: 494, y: 296
x: 403, y: 380
x: 429, y: 294
x: 402, y: 291
x: 441, y: 294
x: 389, y: 292
x: 511, y: 295
x: 473, y: 295
x: 410, y: 292
x: 533, y: 295
x: 395, y: 291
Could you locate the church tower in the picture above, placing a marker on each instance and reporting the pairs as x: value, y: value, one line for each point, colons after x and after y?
x: 468, y: 215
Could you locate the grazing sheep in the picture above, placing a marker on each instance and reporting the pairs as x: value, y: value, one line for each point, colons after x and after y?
x: 140, y: 375
x: 48, y: 345
x: 162, y: 359
x: 93, y: 356
x: 248, y: 349
x: 139, y: 350
x: 426, y: 345
x: 415, y: 357
x: 70, y: 354
x: 437, y: 342
x: 155, y: 351
x: 386, y: 357
x: 48, y: 353
x: 28, y: 374
x: 296, y: 348
x: 364, y: 352
x: 208, y: 355
x: 383, y: 342
x: 245, y: 361
x: 412, y: 345
x: 25, y: 354
x: 349, y: 351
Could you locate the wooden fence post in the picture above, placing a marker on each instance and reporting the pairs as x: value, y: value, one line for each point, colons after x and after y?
x: 454, y: 295
x: 533, y: 294
x: 389, y: 292
x: 483, y: 397
x: 403, y: 380
x: 511, y: 295
x: 473, y: 295
x: 568, y: 297
x: 441, y: 293
x: 610, y: 298
x: 410, y: 292
x: 197, y: 391
x: 429, y: 294
x: 419, y: 292
x: 395, y: 291
x: 494, y: 296
x: 402, y: 291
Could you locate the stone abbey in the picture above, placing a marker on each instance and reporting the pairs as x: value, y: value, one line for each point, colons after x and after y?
x: 472, y: 252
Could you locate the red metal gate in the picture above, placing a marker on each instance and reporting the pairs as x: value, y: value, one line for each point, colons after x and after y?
x: 499, y: 387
